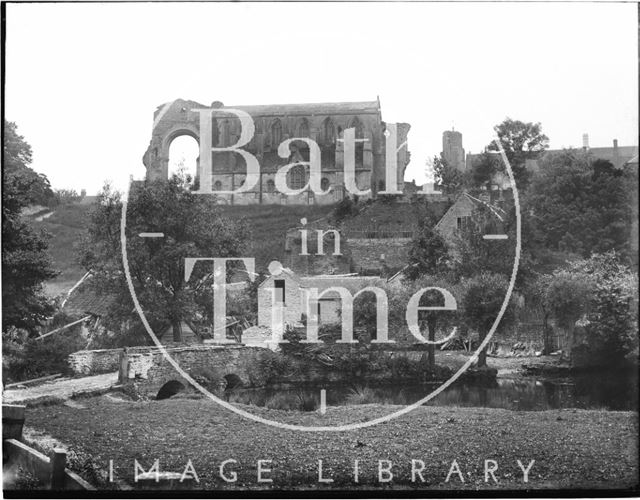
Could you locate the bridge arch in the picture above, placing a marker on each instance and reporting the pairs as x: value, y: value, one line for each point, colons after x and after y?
x: 233, y: 381
x: 169, y: 389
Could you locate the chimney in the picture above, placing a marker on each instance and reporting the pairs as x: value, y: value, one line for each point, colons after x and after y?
x: 616, y: 158
x: 585, y: 141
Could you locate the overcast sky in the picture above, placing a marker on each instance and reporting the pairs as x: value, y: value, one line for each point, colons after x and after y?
x: 83, y: 80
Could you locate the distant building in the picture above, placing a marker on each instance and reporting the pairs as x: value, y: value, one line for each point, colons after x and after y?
x: 289, y: 291
x: 452, y: 150
x: 459, y: 216
x: 617, y: 155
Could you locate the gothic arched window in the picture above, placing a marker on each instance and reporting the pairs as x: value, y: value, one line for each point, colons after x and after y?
x: 357, y: 124
x: 303, y: 128
x: 276, y: 134
x: 297, y: 177
x: 328, y: 132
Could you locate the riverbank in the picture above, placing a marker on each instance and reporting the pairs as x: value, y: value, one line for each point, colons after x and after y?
x: 571, y: 448
x: 508, y: 367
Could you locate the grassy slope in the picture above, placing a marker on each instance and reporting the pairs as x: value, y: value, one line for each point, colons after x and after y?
x: 571, y: 448
x: 268, y: 224
x: 66, y: 227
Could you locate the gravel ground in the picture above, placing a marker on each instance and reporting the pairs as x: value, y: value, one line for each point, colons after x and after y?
x: 572, y: 448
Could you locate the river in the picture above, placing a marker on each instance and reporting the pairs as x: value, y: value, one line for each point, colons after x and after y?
x: 614, y: 391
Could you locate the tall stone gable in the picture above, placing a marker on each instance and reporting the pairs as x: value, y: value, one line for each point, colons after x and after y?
x: 322, y: 122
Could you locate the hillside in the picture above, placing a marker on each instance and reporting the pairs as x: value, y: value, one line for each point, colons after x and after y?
x: 65, y: 225
x: 268, y: 223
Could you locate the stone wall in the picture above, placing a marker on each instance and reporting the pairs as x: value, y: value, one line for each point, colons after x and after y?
x: 93, y: 362
x: 294, y: 306
x: 147, y: 370
x: 376, y: 254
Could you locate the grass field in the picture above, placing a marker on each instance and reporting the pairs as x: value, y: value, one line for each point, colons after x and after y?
x: 66, y: 226
x: 268, y: 225
x: 571, y: 448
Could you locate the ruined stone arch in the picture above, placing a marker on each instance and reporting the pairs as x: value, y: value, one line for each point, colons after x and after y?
x: 161, y: 156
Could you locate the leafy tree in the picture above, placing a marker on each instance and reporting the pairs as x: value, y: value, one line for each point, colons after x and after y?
x: 521, y: 141
x: 25, y: 261
x: 449, y: 179
x: 24, y: 185
x: 428, y: 253
x: 484, y: 169
x: 347, y: 207
x: 66, y: 196
x: 612, y: 310
x: 474, y: 253
x: 193, y: 226
x: 602, y: 293
x: 482, y: 298
x: 579, y: 205
x: 437, y: 320
x: 567, y: 296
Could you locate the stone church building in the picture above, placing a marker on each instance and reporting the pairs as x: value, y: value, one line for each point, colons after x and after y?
x: 324, y: 123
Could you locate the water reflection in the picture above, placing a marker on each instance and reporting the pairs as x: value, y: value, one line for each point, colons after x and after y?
x: 606, y: 391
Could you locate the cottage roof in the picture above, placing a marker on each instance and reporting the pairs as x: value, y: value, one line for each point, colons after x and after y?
x: 85, y: 298
x: 470, y: 201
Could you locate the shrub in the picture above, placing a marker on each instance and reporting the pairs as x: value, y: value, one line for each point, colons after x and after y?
x: 270, y: 367
x: 361, y: 395
x: 292, y: 402
x: 207, y: 377
x: 403, y: 368
x: 601, y: 293
x: 28, y: 357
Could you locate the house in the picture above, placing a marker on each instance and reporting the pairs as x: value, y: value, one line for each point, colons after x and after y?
x: 288, y: 291
x: 459, y: 217
x: 85, y: 300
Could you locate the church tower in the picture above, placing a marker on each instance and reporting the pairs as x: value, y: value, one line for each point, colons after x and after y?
x: 452, y: 150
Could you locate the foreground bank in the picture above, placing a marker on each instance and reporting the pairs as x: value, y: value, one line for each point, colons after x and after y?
x: 432, y: 447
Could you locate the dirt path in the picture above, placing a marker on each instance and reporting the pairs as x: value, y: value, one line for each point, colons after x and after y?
x: 60, y: 389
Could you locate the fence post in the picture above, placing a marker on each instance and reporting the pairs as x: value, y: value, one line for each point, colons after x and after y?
x: 12, y: 421
x: 58, y: 464
x: 123, y: 366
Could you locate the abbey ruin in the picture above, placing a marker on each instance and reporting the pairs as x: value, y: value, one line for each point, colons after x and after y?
x: 324, y: 123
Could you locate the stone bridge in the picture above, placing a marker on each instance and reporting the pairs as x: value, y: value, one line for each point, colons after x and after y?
x: 144, y: 371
